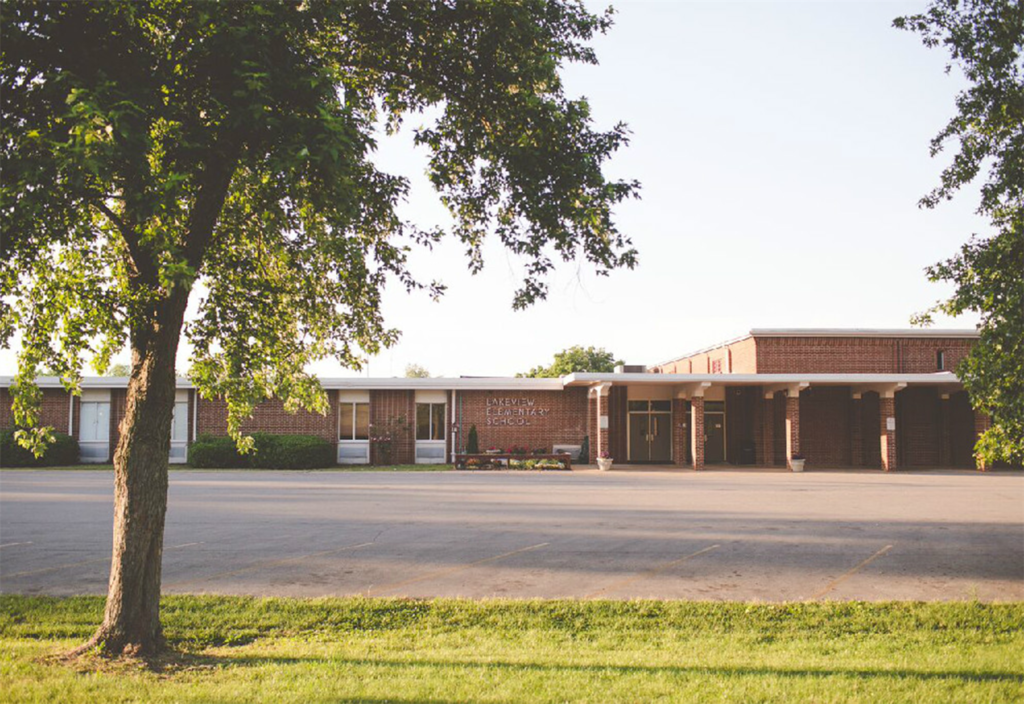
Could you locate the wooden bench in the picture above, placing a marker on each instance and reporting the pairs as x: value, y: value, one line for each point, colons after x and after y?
x: 488, y: 460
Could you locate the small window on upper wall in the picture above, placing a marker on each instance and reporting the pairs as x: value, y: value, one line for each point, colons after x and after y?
x: 940, y: 360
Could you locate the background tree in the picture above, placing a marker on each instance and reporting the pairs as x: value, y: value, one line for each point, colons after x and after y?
x: 119, y: 369
x: 154, y: 149
x: 415, y: 371
x: 576, y: 359
x: 984, y: 39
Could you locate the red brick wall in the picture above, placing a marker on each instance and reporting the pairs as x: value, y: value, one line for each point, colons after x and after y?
x: 737, y: 358
x: 918, y: 428
x: 118, y: 407
x: 270, y: 417
x: 53, y: 410
x: 825, y: 426
x: 856, y: 355
x: 386, y: 405
x: 554, y: 418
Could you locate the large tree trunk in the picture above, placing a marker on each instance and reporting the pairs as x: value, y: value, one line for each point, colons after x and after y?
x: 131, y: 623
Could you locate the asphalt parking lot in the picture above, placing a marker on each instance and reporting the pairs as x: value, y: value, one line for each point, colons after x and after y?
x: 746, y: 535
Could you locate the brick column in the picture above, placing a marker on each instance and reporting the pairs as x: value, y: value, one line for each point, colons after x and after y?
x: 856, y: 431
x: 981, y: 423
x: 792, y: 426
x: 887, y: 436
x: 679, y: 431
x: 697, y: 431
x: 768, y: 430
x: 945, y: 436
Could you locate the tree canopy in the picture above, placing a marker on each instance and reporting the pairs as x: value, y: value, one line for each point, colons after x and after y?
x: 415, y: 371
x: 576, y: 359
x: 985, y: 41
x: 156, y: 149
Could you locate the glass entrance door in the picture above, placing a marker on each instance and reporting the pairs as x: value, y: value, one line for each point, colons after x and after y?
x: 650, y: 431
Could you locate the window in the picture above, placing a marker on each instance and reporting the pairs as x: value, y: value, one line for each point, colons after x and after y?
x: 940, y: 360
x: 716, y: 366
x: 430, y: 421
x: 355, y: 421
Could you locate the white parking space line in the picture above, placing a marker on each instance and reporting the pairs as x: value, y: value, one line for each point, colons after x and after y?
x: 85, y: 562
x: 839, y: 580
x: 649, y: 573
x: 266, y: 564
x: 450, y: 570
x: 11, y: 545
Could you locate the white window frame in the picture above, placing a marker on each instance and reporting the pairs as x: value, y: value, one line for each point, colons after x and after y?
x: 431, y: 451
x: 350, y: 450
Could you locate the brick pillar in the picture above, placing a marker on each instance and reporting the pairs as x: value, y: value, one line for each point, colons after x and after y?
x: 856, y: 431
x: 792, y: 427
x: 679, y: 431
x: 981, y: 423
x: 768, y: 430
x: 887, y: 436
x: 697, y: 431
x: 945, y: 434
x: 592, y: 426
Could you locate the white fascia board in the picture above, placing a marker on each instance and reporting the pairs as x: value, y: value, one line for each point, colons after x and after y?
x: 865, y: 332
x: 446, y: 383
x: 89, y: 382
x: 581, y: 379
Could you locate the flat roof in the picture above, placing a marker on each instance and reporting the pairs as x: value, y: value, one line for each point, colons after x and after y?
x: 646, y: 379
x: 932, y: 333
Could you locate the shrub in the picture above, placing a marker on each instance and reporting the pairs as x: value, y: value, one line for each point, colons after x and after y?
x: 213, y: 452
x: 472, y: 442
x: 291, y: 452
x: 63, y: 451
x: 271, y: 452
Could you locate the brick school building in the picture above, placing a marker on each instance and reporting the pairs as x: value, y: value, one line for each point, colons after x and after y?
x: 837, y: 398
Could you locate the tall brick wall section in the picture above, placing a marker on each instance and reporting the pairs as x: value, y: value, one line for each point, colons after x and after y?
x: 531, y: 419
x: 825, y: 432
x: 386, y: 405
x: 53, y: 410
x: 271, y: 417
x: 680, y: 433
x: 856, y: 355
x: 738, y: 358
x: 618, y: 422
x: 918, y: 428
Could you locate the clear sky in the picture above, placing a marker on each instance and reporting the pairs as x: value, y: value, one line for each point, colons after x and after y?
x: 782, y: 149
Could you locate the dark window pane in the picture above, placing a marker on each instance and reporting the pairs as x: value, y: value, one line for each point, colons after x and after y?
x: 437, y: 426
x: 345, y: 410
x: 362, y: 421
x: 714, y: 406
x: 638, y: 405
x: 661, y: 405
x: 422, y: 421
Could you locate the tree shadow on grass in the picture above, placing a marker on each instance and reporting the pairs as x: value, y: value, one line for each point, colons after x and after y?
x: 554, y: 669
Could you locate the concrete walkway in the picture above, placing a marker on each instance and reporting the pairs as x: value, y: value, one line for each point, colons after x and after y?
x: 663, y: 533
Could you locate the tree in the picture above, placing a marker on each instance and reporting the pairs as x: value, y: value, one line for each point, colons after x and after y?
x: 415, y: 371
x: 576, y: 359
x: 119, y: 369
x: 985, y: 40
x: 156, y: 149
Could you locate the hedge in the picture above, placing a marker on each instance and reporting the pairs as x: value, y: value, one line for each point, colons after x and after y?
x: 63, y: 451
x: 271, y: 452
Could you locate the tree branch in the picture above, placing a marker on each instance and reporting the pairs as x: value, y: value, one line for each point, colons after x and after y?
x: 143, y: 264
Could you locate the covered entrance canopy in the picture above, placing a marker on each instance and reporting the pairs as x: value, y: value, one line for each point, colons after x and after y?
x: 832, y: 420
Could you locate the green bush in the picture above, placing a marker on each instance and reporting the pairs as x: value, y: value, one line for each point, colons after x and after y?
x: 291, y: 452
x: 271, y: 452
x: 473, y: 442
x: 63, y: 451
x: 213, y: 452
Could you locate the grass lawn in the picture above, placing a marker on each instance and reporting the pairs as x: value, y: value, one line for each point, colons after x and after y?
x: 185, y: 467
x: 387, y: 650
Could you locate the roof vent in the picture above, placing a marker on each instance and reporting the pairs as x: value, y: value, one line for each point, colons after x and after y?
x: 630, y: 369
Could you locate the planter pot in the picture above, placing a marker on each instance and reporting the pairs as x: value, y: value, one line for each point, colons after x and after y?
x: 604, y: 464
x: 797, y: 465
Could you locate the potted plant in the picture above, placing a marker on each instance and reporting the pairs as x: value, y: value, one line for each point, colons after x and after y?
x: 604, y: 461
x: 796, y: 463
